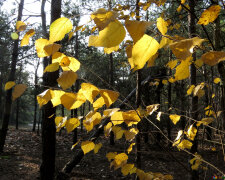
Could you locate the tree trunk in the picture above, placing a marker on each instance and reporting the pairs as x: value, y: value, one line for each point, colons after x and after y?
x: 194, y: 100
x: 47, y: 168
x: 8, y: 102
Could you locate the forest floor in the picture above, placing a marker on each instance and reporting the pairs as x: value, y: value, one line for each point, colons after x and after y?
x: 22, y: 157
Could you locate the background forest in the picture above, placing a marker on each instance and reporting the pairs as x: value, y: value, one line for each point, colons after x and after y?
x: 141, y: 83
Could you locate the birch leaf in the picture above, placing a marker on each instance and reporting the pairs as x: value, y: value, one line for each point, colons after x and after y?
x: 174, y: 118
x: 71, y: 124
x: 26, y: 38
x: 143, y: 50
x: 45, y: 97
x: 109, y: 96
x: 67, y: 79
x: 52, y: 67
x: 97, y: 147
x: 56, y: 98
x: 209, y: 15
x: 90, y: 91
x: 214, y: 57
x: 162, y: 25
x: 20, y: 26
x: 51, y: 48
x: 87, y: 146
x: 39, y: 45
x: 18, y: 91
x: 217, y: 80
x: 109, y: 37
x: 59, y: 28
x: 9, y: 85
x: 192, y: 131
x: 129, y: 149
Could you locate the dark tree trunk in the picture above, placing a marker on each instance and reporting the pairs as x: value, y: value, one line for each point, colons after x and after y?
x: 47, y: 168
x: 8, y: 102
x: 194, y: 100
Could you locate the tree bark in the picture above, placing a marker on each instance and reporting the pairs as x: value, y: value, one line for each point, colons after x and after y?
x: 47, y: 168
x: 8, y: 101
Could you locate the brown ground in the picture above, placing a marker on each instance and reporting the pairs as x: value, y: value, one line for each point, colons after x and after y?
x: 22, y: 158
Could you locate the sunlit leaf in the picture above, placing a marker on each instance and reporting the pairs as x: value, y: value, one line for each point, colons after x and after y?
x: 183, y: 70
x: 129, y: 149
x: 151, y: 61
x: 56, y: 98
x: 192, y: 131
x: 118, y: 132
x: 195, y: 162
x: 165, y: 42
x: 190, y: 89
x: 92, y: 118
x: 130, y: 134
x: 109, y: 112
x: 71, y: 124
x: 74, y: 64
x: 109, y: 37
x: 18, y: 91
x: 87, y: 146
x: 98, y: 103
x: 58, y: 119
x: 97, y: 147
x: 117, y: 118
x: 72, y: 100
x: 109, y: 96
x: 102, y: 17
x: 174, y: 118
x: 52, y: 67
x: 143, y: 50
x: 59, y: 28
x: 184, y: 144
x: 184, y: 48
x: 61, y: 121
x: 120, y: 159
x: 39, y: 45
x: 90, y: 91
x: 131, y: 117
x: 205, y: 121
x: 152, y: 108
x: 162, y: 25
x: 107, y: 129
x: 213, y: 57
x: 14, y: 36
x: 20, y: 26
x: 110, y: 50
x: 67, y: 79
x: 45, y: 97
x: 209, y: 15
x: 136, y: 29
x: 51, y: 48
x: 57, y: 57
x: 26, y: 38
x: 172, y: 64
x: 9, y: 85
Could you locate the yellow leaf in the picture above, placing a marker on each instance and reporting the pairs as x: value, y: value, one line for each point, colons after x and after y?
x: 165, y: 42
x: 109, y: 37
x: 174, y: 118
x: 97, y: 147
x: 111, y: 155
x: 120, y: 159
x: 9, y: 85
x: 191, y: 133
x: 110, y: 50
x: 18, y: 91
x: 107, y: 129
x: 182, y: 70
x: 217, y: 80
x: 117, y: 118
x: 14, y: 36
x: 162, y: 25
x: 72, y: 100
x: 118, y: 132
x: 136, y: 29
x: 198, y: 90
x: 87, y: 146
x: 130, y: 134
x: 58, y: 119
x: 39, y: 45
x: 129, y: 149
x: 205, y: 121
x: 65, y: 61
x: 213, y: 149
x: 20, y: 26
x: 164, y: 81
x: 98, y: 103
x: 159, y: 116
x: 57, y: 57
x: 59, y: 28
x: 109, y: 112
x: 142, y: 175
x: 152, y: 108
x: 71, y: 124
x: 45, y: 97
x: 213, y: 57
x: 184, y: 48
x: 195, y: 162
x: 90, y: 91
x: 109, y: 96
x: 131, y: 117
x: 25, y: 40
x: 75, y: 145
x: 168, y: 177
x: 172, y: 64
x: 126, y: 169
x: 179, y: 8
x: 190, y: 89
x: 51, y: 48
x: 143, y: 50
x: 52, y: 67
x: 56, y: 98
x: 67, y: 79
x: 209, y: 15
x: 198, y: 63
x: 102, y: 17
x: 61, y: 123
x: 185, y: 144
x: 92, y: 118
x: 74, y: 64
